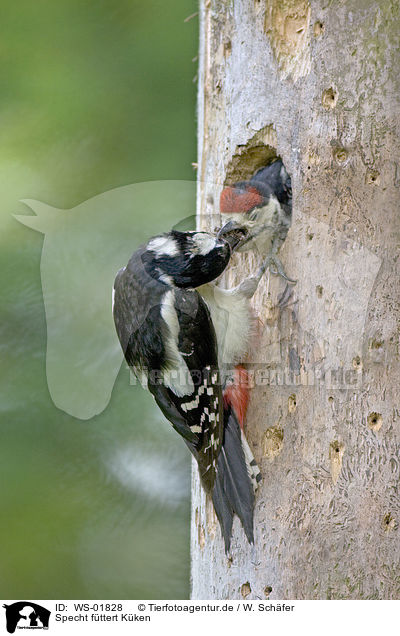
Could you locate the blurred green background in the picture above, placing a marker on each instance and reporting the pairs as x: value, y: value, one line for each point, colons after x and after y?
x: 94, y: 95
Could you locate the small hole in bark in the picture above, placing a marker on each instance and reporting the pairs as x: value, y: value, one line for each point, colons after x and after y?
x: 330, y: 399
x: 356, y: 362
x: 267, y: 591
x: 310, y: 236
x: 389, y: 523
x: 320, y: 290
x: 227, y: 47
x: 340, y: 155
x: 319, y: 28
x: 292, y: 404
x: 372, y: 177
x: 245, y: 589
x: 374, y: 421
x: 336, y: 452
x: 336, y: 447
x: 329, y: 98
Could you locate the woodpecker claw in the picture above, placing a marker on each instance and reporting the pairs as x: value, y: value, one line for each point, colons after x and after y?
x: 279, y: 271
x: 285, y: 297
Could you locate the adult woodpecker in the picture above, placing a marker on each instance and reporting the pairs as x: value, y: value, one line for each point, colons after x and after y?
x: 263, y: 206
x: 175, y: 328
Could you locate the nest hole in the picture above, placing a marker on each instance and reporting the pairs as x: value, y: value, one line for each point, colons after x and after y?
x: 260, y: 151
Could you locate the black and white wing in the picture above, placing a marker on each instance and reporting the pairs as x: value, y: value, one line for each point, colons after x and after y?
x: 190, y: 390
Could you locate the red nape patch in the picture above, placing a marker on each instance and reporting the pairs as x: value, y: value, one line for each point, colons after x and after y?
x: 233, y: 201
x: 237, y: 394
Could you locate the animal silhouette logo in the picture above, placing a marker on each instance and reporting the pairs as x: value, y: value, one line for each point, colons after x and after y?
x: 26, y: 615
x: 83, y: 249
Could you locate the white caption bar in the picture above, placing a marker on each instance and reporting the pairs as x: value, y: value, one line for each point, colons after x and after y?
x: 77, y: 617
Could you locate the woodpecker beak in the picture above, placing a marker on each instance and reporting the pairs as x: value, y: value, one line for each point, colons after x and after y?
x: 233, y: 233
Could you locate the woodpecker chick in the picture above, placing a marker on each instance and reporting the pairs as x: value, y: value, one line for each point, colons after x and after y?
x: 169, y: 336
x: 263, y: 206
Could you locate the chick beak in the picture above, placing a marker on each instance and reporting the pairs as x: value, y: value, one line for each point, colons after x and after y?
x: 233, y: 233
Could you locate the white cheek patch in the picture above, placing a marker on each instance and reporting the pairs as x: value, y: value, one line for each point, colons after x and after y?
x: 163, y: 246
x: 268, y: 212
x: 205, y: 243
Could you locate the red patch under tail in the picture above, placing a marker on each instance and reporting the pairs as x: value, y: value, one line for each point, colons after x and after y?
x: 237, y: 393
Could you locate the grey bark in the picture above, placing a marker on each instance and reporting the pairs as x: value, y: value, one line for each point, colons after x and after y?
x: 318, y: 85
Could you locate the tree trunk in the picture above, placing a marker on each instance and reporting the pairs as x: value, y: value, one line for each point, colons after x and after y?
x: 317, y: 84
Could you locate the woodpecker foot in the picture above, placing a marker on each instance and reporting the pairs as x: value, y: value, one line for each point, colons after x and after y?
x: 284, y: 300
x: 278, y: 270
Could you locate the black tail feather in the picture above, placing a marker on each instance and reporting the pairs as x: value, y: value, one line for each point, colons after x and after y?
x: 233, y: 491
x: 224, y: 511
